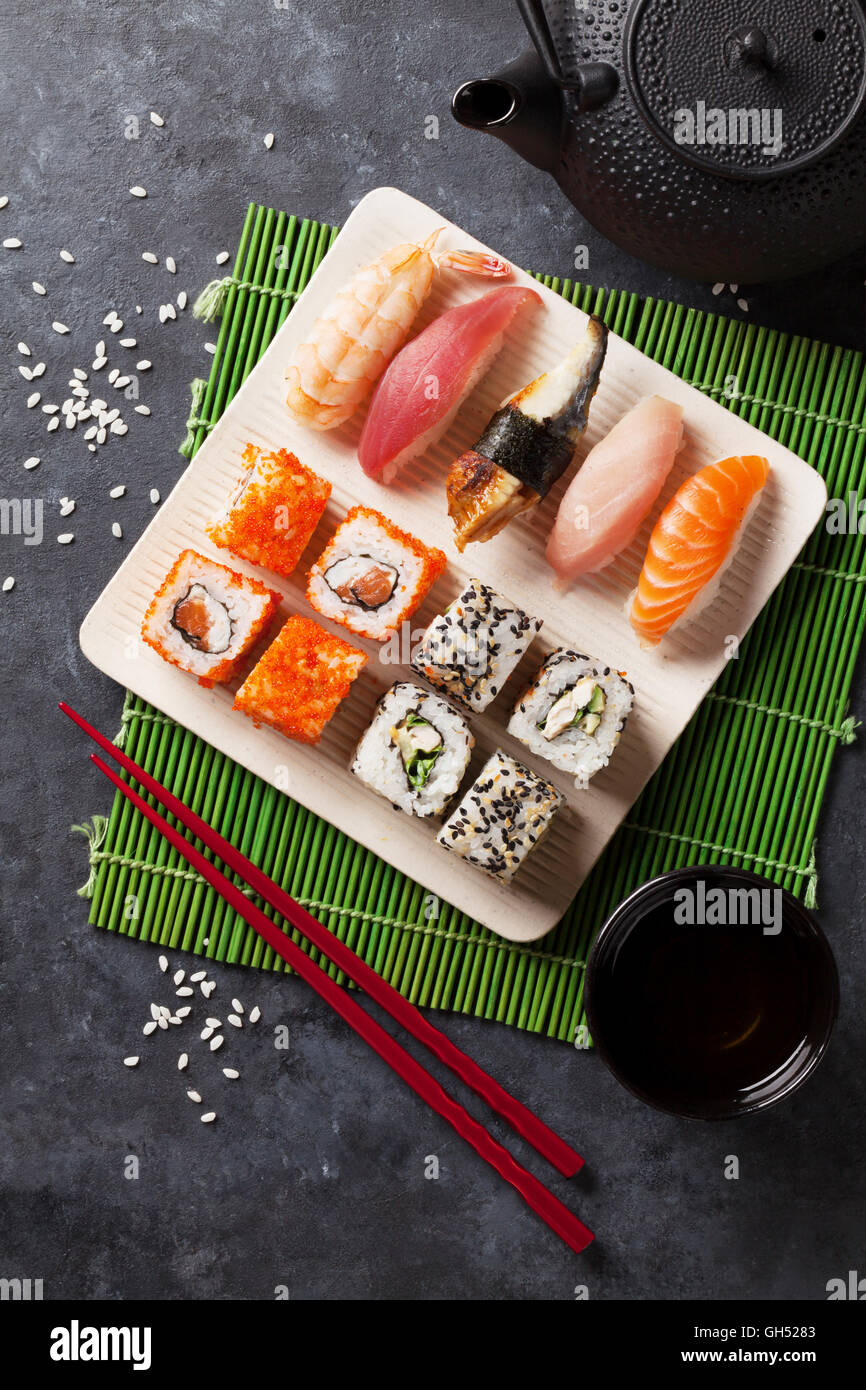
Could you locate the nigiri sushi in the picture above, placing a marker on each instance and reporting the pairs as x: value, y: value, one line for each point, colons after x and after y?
x: 692, y: 542
x: 527, y: 445
x: 427, y: 382
x: 352, y: 342
x: 618, y: 482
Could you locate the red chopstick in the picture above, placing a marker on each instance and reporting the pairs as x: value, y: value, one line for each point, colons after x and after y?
x: 529, y: 1126
x: 557, y: 1216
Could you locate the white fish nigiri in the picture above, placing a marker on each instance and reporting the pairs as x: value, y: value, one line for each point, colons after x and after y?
x: 614, y: 489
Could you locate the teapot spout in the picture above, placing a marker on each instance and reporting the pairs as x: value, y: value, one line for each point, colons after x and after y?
x: 521, y: 106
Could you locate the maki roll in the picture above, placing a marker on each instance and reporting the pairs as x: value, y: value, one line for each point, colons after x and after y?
x: 205, y: 617
x: 502, y: 817
x: 527, y: 444
x: 300, y: 681
x: 573, y: 713
x: 273, y: 511
x: 371, y: 575
x: 470, y: 650
x: 415, y: 751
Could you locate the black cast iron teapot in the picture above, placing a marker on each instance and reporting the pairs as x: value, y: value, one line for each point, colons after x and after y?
x: 719, y: 139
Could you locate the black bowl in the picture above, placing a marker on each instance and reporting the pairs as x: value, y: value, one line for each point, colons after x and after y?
x: 710, y: 1020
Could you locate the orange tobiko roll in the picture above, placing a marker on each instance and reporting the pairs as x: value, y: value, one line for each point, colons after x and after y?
x: 300, y: 681
x: 273, y: 511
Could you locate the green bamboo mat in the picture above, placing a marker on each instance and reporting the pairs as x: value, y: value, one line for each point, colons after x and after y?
x: 743, y: 785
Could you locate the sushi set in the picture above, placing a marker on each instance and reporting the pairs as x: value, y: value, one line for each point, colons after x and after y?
x: 456, y: 567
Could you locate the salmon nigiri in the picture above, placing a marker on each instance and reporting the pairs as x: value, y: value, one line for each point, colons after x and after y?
x: 427, y: 382
x: 691, y: 543
x: 614, y: 489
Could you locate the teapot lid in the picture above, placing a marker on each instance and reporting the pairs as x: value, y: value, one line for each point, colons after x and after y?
x: 748, y: 88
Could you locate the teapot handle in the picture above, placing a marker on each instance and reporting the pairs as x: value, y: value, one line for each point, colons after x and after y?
x: 595, y: 83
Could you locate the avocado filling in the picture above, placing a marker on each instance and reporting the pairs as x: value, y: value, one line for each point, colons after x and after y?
x: 581, y: 707
x: 420, y: 745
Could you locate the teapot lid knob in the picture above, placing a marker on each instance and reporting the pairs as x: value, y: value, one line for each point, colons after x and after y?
x: 745, y: 99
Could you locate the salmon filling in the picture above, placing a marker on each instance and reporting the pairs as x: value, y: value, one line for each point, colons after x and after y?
x: 202, y: 620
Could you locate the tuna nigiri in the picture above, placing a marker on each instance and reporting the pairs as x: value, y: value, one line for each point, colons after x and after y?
x: 618, y: 482
x: 427, y: 382
x: 527, y: 444
x: 692, y: 542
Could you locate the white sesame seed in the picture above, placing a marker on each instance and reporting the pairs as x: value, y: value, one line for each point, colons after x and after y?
x: 117, y: 530
x: 164, y: 1011
x: 33, y: 399
x: 96, y: 404
x: 237, y: 1006
x: 255, y: 1014
x: 118, y: 427
x: 92, y: 432
x: 269, y: 140
x: 209, y: 1117
x: 182, y: 300
x: 206, y: 1033
x: 24, y: 350
x: 142, y: 410
x: 137, y: 191
x: 162, y: 314
x: 130, y: 1061
x: 98, y: 363
x: 182, y: 1013
x: 3, y: 201
x: 743, y: 304
x: 114, y: 374
x: 67, y: 506
x: 128, y: 342
x: 162, y: 1022
x: 101, y: 436
x: 235, y: 1021
x: 205, y: 941
x: 211, y: 348
x: 79, y: 373
x: 144, y: 365
x: 175, y: 1018
x: 182, y: 1062
x: 717, y: 289
x: 170, y: 311
x: 50, y: 409
x: 53, y: 424
x: 120, y: 382
x: 214, y: 1022
x: 8, y: 584
x: 37, y: 288
x: 118, y: 492
x: 222, y: 257
x: 92, y: 448
x: 99, y: 350
x: 59, y: 327
x: 199, y: 974
x: 66, y: 539
x: 733, y: 288
x: 116, y: 326
x: 109, y: 319
x: 194, y: 1095
x: 26, y: 372
x: 39, y: 369
x: 150, y: 258
x: 231, y: 1073
x: 171, y: 265
x: 154, y: 1011
x: 207, y: 988
x: 156, y: 119
x: 149, y: 1027
x: 138, y: 308
x: 184, y: 992
x: 12, y: 243
x: 70, y: 420
x: 32, y: 462
x: 216, y: 1042
x: 68, y: 257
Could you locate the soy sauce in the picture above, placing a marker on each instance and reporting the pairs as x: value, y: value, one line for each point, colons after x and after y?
x: 702, y: 1019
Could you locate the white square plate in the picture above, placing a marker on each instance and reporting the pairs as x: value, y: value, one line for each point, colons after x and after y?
x: 669, y: 682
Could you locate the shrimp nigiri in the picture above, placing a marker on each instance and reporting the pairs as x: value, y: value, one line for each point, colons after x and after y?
x: 691, y: 543
x: 355, y: 338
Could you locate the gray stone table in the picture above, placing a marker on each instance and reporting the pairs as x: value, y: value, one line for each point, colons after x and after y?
x: 313, y: 1180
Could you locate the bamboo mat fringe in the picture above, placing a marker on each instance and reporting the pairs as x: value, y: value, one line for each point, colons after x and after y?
x: 743, y: 784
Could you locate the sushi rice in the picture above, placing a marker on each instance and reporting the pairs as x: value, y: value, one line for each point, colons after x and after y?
x: 506, y: 812
x: 383, y: 758
x: 579, y: 751
x: 470, y: 650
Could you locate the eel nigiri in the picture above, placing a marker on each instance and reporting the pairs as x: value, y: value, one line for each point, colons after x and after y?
x: 618, y: 482
x: 427, y: 382
x: 527, y: 445
x: 692, y: 542
x: 352, y: 342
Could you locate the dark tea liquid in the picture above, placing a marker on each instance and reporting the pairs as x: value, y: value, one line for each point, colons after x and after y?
x: 704, y: 1010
